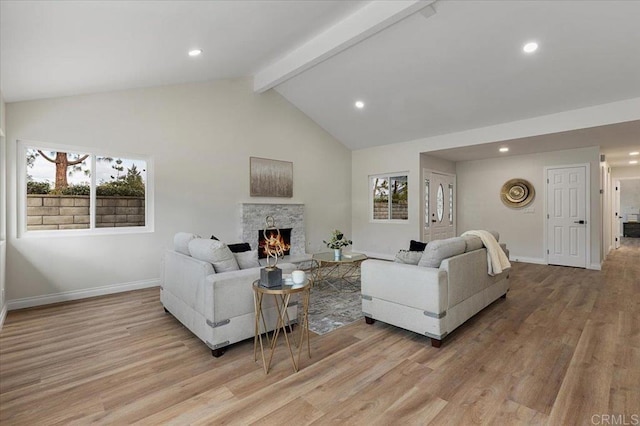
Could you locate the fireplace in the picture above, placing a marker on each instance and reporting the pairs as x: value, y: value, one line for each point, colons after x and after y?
x: 252, y: 217
x: 285, y: 239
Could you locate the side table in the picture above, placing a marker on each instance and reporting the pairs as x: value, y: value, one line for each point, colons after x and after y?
x: 282, y: 297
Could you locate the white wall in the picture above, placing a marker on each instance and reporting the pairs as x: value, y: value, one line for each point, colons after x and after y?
x: 480, y: 207
x: 3, y: 209
x: 629, y: 197
x: 630, y: 172
x: 387, y: 239
x: 201, y: 137
x: 437, y: 164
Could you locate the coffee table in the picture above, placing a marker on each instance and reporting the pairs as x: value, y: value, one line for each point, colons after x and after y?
x: 345, y: 270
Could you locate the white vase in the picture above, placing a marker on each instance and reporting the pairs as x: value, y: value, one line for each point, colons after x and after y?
x: 337, y: 254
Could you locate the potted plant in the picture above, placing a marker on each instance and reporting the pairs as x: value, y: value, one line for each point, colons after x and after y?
x: 336, y: 243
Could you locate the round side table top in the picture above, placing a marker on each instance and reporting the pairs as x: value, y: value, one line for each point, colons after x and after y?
x: 285, y: 288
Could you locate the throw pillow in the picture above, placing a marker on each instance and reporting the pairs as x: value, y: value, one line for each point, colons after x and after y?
x: 181, y: 242
x: 472, y: 242
x: 408, y: 257
x: 247, y: 259
x: 239, y: 247
x: 438, y: 250
x: 417, y: 245
x: 215, y: 252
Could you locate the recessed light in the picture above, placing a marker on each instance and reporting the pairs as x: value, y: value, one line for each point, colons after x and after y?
x: 504, y: 149
x: 530, y: 47
x: 634, y: 153
x: 195, y: 52
x: 359, y: 104
x: 633, y: 162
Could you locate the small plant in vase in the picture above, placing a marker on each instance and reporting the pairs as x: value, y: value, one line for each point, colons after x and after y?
x: 336, y: 243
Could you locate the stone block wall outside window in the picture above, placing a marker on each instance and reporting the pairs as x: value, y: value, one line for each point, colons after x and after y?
x: 48, y: 212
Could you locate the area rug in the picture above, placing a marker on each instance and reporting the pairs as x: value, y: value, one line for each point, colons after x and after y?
x: 331, y: 306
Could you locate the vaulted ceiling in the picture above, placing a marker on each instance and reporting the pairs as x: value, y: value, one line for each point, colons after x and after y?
x: 421, y: 68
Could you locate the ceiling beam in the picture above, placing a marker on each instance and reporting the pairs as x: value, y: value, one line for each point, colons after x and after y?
x: 365, y: 22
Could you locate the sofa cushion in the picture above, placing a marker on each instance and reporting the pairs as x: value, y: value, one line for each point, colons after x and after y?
x: 215, y: 252
x: 247, y: 259
x: 438, y: 250
x: 408, y: 257
x: 472, y: 243
x: 181, y: 242
x: 417, y: 245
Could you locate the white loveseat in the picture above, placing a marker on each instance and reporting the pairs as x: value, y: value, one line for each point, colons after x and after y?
x: 432, y: 301
x: 217, y: 307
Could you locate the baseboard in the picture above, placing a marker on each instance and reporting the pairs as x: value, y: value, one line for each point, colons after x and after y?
x: 3, y: 315
x: 536, y: 260
x: 595, y: 266
x: 65, y: 296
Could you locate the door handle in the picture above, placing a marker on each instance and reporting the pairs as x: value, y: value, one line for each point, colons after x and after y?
x: 433, y: 220
x: 581, y: 222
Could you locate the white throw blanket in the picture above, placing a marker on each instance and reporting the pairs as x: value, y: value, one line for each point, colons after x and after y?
x: 496, y: 259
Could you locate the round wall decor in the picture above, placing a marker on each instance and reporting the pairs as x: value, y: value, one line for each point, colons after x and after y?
x: 516, y: 193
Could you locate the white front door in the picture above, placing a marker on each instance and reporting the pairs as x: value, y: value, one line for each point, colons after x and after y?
x: 566, y: 216
x: 439, y: 193
x: 617, y: 216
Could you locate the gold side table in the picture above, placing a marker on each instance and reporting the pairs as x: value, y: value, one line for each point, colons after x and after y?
x: 282, y: 297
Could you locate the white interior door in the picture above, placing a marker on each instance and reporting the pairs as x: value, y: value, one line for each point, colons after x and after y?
x: 566, y: 216
x: 439, y: 197
x: 617, y: 215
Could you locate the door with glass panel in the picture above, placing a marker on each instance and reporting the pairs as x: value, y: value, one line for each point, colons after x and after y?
x: 439, y: 206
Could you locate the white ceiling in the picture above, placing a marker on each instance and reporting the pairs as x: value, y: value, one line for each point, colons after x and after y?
x: 424, y: 75
x: 61, y: 48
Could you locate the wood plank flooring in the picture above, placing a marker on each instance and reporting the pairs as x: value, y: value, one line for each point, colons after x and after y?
x: 562, y: 348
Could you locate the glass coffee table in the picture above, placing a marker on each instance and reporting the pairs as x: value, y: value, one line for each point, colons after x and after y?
x: 344, y: 271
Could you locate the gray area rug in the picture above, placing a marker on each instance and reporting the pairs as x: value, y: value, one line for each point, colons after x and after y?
x: 333, y: 305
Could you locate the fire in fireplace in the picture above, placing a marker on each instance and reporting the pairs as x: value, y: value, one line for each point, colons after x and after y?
x: 285, y: 239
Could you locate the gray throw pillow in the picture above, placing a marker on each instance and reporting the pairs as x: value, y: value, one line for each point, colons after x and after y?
x: 215, y: 252
x: 472, y: 243
x: 247, y: 259
x: 438, y: 250
x: 408, y: 257
x: 181, y: 242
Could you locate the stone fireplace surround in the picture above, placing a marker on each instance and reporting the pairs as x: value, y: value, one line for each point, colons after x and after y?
x: 252, y: 220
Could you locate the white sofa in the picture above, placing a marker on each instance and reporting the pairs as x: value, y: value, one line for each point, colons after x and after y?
x: 432, y: 301
x: 217, y: 307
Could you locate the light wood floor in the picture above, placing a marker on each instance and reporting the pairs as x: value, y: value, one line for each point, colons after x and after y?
x: 562, y: 348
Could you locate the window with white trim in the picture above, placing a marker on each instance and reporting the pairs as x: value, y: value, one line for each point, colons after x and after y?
x: 389, y: 197
x: 67, y: 190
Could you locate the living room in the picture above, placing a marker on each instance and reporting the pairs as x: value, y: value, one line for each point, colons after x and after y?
x: 198, y: 133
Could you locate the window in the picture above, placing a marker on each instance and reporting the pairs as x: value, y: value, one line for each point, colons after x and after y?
x: 426, y: 204
x: 450, y: 204
x: 389, y: 197
x: 440, y: 203
x: 74, y: 190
